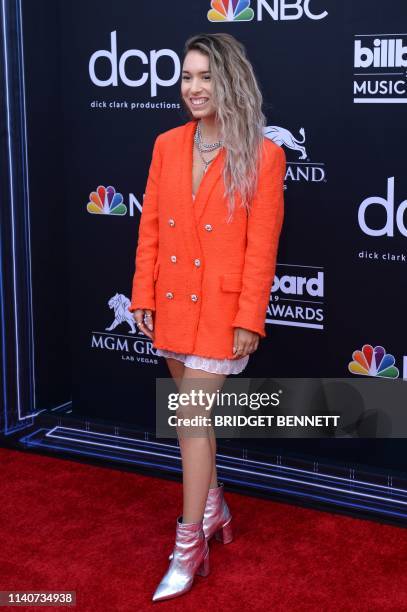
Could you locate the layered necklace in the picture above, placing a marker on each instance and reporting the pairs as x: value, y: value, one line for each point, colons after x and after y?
x: 205, y: 148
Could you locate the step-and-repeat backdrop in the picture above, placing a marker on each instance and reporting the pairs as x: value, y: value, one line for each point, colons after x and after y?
x: 333, y: 77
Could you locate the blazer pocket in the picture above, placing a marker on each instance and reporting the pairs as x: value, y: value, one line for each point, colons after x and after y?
x: 232, y: 281
x: 156, y: 268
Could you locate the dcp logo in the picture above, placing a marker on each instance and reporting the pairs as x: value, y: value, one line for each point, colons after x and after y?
x: 117, y: 66
x: 389, y: 207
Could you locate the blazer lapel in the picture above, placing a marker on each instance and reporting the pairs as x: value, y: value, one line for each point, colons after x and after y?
x: 208, y: 181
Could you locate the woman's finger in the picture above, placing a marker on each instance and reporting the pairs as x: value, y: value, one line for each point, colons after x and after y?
x: 145, y: 330
x: 148, y: 319
x: 240, y: 352
x: 141, y: 326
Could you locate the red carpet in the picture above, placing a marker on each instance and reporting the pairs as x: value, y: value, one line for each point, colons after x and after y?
x: 106, y: 534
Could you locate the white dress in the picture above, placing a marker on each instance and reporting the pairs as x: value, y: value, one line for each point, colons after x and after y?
x: 215, y: 366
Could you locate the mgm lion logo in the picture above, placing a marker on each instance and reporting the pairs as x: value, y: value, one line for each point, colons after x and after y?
x: 119, y: 303
x: 281, y: 137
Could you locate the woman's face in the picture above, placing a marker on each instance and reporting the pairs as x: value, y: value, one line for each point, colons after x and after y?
x: 196, y: 84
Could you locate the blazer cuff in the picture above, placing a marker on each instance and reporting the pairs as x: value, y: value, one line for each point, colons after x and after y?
x: 144, y: 305
x: 248, y: 322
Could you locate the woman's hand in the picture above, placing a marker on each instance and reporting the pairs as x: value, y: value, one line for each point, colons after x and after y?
x: 244, y: 342
x: 140, y: 315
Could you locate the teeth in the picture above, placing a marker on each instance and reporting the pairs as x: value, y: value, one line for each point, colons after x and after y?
x: 199, y: 101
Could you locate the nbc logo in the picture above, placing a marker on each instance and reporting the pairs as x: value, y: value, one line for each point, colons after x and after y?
x: 106, y: 201
x: 278, y: 10
x: 230, y: 10
x: 373, y: 362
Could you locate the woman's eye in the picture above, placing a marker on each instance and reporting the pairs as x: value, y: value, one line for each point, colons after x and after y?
x: 207, y: 77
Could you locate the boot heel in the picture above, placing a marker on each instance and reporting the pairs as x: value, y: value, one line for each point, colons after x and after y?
x: 225, y: 533
x: 203, y: 569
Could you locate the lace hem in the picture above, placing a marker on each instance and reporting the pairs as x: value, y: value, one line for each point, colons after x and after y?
x: 208, y: 364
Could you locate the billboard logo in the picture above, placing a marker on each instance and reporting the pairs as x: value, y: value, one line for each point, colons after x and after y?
x: 297, y: 297
x: 383, y: 53
x: 278, y: 10
x: 380, y: 64
x: 373, y: 362
x: 106, y: 201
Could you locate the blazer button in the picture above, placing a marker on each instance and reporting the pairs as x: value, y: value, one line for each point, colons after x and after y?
x: 208, y: 227
x: 169, y: 295
x: 173, y: 258
x: 171, y: 222
x: 197, y: 262
x: 194, y: 297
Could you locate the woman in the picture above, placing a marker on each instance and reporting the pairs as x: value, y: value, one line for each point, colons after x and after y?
x: 205, y: 262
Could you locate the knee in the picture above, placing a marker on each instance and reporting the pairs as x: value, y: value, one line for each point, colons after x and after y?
x: 192, y: 421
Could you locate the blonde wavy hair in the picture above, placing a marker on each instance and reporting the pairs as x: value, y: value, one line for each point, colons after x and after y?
x: 238, y: 101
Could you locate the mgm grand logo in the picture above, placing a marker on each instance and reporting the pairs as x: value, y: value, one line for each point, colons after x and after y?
x: 122, y: 336
x: 300, y: 168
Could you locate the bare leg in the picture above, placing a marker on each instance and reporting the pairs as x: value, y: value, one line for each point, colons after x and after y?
x: 176, y: 368
x: 197, y: 451
x: 212, y: 439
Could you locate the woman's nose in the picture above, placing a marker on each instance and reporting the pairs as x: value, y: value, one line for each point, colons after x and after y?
x: 195, y: 87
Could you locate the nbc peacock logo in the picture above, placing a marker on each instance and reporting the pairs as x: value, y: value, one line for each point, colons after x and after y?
x: 106, y: 201
x: 373, y: 362
x: 230, y: 10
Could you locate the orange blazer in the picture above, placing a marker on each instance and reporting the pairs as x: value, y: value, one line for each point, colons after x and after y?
x: 201, y: 275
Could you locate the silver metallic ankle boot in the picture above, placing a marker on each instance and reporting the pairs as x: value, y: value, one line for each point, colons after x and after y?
x: 190, y: 557
x: 217, y: 519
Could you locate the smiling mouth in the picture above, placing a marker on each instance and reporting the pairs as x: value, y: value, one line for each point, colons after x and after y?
x: 198, y: 101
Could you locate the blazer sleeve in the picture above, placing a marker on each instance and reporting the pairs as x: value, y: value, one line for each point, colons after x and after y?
x: 142, y: 295
x: 263, y: 232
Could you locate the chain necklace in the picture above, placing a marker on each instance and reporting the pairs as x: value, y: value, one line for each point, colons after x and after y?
x: 205, y: 148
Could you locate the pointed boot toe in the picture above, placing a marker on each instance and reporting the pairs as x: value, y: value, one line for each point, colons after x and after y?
x: 190, y: 557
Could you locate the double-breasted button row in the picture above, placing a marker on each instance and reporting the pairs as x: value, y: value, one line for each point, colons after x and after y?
x: 197, y: 262
x: 170, y: 295
x: 208, y: 226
